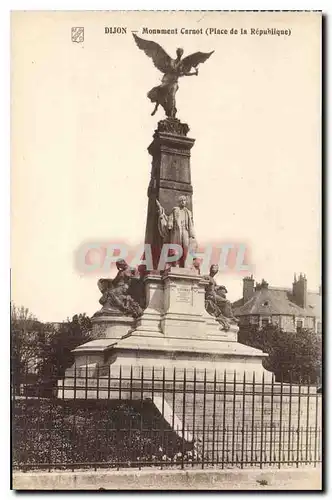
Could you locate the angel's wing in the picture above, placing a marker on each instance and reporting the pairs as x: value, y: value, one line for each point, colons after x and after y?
x: 160, y: 58
x: 194, y: 60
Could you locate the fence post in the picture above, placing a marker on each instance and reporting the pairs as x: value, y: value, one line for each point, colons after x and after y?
x: 253, y: 416
x: 243, y: 418
x: 298, y: 423
x: 131, y: 383
x: 316, y: 428
x: 280, y: 419
x: 86, y: 377
x: 50, y: 431
x: 183, y: 416
x: 194, y: 416
x: 271, y: 420
x: 74, y: 406
x: 173, y: 396
x: 214, y: 413
x: 290, y: 415
x: 109, y: 383
x: 204, y: 410
x: 233, y: 416
x: 141, y: 418
x: 120, y: 383
x: 307, y: 422
x: 162, y: 416
x: 262, y: 425
x: 224, y: 423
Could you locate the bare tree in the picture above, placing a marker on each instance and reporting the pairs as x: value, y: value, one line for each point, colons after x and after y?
x: 26, y: 339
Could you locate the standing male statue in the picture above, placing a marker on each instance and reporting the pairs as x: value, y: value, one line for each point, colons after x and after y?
x: 178, y: 228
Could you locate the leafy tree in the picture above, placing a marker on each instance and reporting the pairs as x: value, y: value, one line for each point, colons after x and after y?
x: 57, y: 355
x: 292, y: 355
x: 41, y: 350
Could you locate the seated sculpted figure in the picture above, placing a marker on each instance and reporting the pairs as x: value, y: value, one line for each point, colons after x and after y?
x: 216, y: 302
x: 117, y: 298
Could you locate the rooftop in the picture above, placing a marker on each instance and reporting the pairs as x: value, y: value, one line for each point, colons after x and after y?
x: 273, y: 300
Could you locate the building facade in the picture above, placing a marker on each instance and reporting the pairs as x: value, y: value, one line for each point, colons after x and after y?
x: 292, y: 309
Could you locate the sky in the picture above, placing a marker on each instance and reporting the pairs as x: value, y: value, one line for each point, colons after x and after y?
x: 81, y: 126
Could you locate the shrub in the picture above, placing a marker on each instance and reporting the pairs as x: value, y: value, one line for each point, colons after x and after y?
x: 58, y: 432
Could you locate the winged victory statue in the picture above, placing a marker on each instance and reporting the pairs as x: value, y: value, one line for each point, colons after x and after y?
x: 173, y: 69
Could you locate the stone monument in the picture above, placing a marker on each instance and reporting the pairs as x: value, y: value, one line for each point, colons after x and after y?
x: 170, y: 317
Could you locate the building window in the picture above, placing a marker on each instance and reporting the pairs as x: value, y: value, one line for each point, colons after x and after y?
x: 254, y: 320
x: 319, y: 327
x: 299, y: 325
x: 265, y: 322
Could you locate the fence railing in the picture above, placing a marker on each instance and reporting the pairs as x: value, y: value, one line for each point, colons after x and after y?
x: 135, y: 417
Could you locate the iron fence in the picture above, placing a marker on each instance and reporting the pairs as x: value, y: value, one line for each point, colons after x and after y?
x: 116, y: 417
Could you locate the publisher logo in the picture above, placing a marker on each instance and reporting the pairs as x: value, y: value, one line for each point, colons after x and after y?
x: 77, y: 35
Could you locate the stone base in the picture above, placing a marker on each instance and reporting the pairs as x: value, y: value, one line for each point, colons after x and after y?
x: 111, y: 326
x: 163, y: 357
x: 174, y: 353
x: 175, y: 331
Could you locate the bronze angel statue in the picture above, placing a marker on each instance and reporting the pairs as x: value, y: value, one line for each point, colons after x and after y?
x: 173, y: 69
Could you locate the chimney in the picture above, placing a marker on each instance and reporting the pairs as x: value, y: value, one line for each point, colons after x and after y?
x: 300, y: 290
x: 248, y: 288
x: 264, y: 284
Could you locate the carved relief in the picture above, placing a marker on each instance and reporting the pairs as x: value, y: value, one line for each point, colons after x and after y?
x: 173, y: 126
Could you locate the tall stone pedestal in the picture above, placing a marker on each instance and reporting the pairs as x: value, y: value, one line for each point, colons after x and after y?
x: 170, y: 175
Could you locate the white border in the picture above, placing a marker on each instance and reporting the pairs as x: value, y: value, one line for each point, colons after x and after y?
x: 165, y: 5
